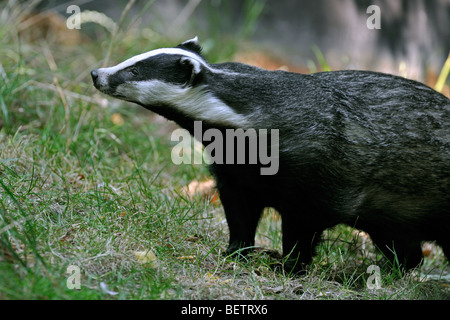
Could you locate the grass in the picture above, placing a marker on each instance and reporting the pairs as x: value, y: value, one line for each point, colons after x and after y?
x: 87, y: 181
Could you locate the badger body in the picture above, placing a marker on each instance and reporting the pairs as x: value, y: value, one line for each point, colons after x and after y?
x: 367, y: 149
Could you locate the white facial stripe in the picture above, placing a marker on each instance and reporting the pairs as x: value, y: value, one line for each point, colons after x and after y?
x: 195, y: 102
x: 177, y: 51
x: 143, y: 56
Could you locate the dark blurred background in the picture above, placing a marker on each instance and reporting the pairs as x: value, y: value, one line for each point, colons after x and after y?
x: 414, y: 39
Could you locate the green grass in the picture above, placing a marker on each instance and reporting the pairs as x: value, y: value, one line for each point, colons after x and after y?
x: 80, y: 189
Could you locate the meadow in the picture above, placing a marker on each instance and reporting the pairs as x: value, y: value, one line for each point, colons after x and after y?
x: 92, y: 206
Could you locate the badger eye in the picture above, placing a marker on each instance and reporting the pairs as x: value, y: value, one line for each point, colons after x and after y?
x: 134, y: 72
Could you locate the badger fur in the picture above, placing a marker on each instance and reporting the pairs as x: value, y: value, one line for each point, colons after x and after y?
x: 367, y: 149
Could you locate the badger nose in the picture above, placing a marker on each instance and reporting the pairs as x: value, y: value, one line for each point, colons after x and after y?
x: 94, y: 74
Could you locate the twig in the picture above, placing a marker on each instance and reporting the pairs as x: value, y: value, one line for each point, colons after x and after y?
x: 184, y: 15
x: 49, y: 86
x: 443, y: 75
x: 113, y: 39
x: 53, y: 67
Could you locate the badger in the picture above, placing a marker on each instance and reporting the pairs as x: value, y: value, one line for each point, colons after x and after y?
x: 361, y: 148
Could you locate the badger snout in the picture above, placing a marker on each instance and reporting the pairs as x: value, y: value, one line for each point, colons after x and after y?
x: 108, y: 82
x: 94, y: 75
x: 100, y: 80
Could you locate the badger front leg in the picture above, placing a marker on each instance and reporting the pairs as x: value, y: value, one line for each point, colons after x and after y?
x: 300, y: 238
x: 242, y: 213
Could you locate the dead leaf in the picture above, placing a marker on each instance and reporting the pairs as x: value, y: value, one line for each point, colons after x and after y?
x: 205, y: 189
x: 67, y: 237
x: 146, y: 257
x: 212, y: 279
x: 186, y: 258
x: 117, y: 119
x: 194, y: 238
x: 48, y: 25
x: 77, y: 179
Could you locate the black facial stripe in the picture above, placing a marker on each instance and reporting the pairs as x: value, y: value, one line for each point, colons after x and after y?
x: 162, y: 67
x: 118, y: 78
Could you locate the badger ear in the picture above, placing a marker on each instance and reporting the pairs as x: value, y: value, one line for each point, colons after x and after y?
x: 194, y: 68
x: 191, y: 45
x: 192, y: 41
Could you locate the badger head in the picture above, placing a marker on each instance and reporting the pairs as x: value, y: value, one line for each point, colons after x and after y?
x: 169, y: 81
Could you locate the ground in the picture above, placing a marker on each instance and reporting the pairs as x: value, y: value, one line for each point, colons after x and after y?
x: 91, y: 206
